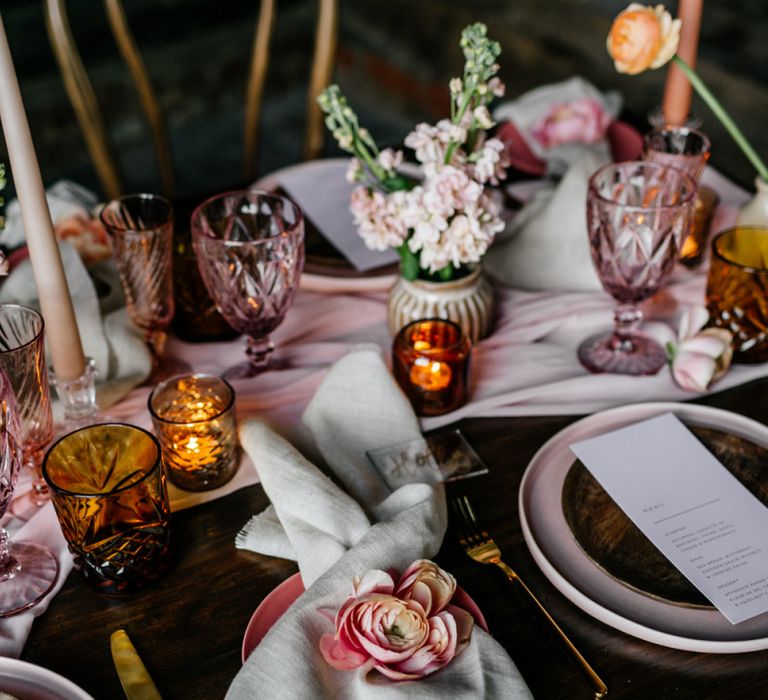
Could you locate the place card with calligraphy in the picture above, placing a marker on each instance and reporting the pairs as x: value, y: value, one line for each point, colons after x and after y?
x: 442, y: 457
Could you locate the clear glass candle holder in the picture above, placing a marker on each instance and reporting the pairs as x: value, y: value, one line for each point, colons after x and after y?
x: 194, y: 419
x: 430, y: 361
x: 108, y: 488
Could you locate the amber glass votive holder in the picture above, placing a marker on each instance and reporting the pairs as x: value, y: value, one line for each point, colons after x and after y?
x: 737, y: 289
x: 109, y: 492
x: 194, y: 419
x: 430, y: 361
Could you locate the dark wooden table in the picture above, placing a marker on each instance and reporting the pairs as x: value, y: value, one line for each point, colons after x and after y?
x: 189, y: 628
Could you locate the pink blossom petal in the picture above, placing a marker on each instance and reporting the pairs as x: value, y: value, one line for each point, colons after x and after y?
x: 711, y: 345
x: 374, y: 581
x: 692, y: 321
x: 338, y: 655
x: 693, y: 371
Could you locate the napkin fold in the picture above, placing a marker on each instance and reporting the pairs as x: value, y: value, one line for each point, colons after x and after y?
x: 43, y: 528
x: 335, y: 537
x: 546, y: 246
x: 108, y: 335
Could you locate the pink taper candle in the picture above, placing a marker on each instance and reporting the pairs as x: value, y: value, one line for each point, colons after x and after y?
x: 66, y: 350
x: 677, y: 91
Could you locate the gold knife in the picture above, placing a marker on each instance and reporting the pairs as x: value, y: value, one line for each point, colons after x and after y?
x: 136, y: 682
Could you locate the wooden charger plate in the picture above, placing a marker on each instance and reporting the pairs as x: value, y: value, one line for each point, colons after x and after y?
x: 617, y: 545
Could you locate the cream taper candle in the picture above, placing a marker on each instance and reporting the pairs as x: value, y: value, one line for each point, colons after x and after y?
x: 66, y: 349
x: 676, y: 105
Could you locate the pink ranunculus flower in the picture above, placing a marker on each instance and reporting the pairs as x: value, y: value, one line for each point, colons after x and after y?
x: 392, y: 631
x: 583, y: 121
x: 426, y: 583
x: 701, y: 356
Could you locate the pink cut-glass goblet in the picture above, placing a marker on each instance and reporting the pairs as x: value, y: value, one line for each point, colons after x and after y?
x: 22, y: 358
x: 250, y: 251
x: 140, y: 230
x: 637, y: 216
x: 27, y: 570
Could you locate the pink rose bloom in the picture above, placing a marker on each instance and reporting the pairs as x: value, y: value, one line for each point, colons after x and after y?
x: 583, y: 121
x: 701, y: 356
x: 398, y: 636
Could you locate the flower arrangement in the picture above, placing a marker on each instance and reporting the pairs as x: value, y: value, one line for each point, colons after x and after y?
x: 643, y: 37
x: 404, y: 631
x: 444, y: 221
x: 702, y: 355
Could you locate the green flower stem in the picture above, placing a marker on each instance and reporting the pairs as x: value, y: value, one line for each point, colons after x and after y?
x: 723, y: 116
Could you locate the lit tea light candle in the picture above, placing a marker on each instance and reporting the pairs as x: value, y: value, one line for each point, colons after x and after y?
x: 194, y: 420
x: 430, y: 360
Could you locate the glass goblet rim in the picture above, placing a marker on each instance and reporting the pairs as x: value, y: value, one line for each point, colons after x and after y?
x: 200, y: 230
x: 111, y: 227
x: 689, y: 194
x: 706, y: 143
x: 143, y: 476
x: 38, y: 333
x: 734, y: 263
x: 197, y: 375
x: 462, y: 339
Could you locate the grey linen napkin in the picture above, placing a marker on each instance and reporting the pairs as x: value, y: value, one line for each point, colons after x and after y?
x: 335, y: 537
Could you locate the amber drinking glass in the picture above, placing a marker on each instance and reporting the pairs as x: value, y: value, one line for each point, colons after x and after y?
x: 250, y: 249
x: 687, y: 150
x: 737, y: 290
x: 194, y: 419
x: 637, y: 216
x: 430, y: 361
x: 27, y: 570
x: 140, y: 229
x: 108, y: 488
x: 22, y: 358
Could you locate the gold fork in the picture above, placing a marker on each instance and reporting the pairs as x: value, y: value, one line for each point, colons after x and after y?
x: 480, y: 546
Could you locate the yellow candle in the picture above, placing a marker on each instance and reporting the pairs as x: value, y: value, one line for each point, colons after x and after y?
x: 676, y: 105
x: 64, y: 344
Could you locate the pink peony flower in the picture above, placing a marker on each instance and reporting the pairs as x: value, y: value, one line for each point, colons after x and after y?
x: 583, y: 120
x: 701, y: 356
x: 405, y: 633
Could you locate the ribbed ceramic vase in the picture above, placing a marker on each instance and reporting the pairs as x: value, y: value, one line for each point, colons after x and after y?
x: 467, y: 301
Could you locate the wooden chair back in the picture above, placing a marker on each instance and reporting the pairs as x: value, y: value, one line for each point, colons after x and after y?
x: 81, y: 94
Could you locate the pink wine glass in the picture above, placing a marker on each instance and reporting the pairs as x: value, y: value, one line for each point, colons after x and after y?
x: 638, y: 214
x: 27, y: 570
x: 250, y: 251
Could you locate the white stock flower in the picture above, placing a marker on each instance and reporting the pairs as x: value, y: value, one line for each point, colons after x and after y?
x: 483, y: 117
x: 390, y: 159
x: 354, y: 171
x: 378, y: 217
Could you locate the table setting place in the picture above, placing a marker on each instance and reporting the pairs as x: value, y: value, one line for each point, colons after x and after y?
x: 406, y: 395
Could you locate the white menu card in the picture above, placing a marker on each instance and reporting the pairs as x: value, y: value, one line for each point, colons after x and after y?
x: 690, y: 506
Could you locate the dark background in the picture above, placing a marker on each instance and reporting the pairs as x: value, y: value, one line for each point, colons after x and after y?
x: 394, y: 60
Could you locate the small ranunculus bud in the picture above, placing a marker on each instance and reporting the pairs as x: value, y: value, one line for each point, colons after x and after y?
x: 642, y: 37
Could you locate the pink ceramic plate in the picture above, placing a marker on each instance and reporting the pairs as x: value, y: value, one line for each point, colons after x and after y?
x: 281, y: 598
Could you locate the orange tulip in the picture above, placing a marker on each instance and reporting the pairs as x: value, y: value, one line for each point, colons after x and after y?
x: 643, y: 37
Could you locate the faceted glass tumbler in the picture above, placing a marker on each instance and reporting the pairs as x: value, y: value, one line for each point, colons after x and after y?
x: 108, y: 488
x: 638, y: 214
x: 140, y: 229
x: 250, y: 250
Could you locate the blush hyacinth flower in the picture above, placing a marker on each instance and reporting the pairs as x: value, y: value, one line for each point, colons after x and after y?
x: 406, y: 631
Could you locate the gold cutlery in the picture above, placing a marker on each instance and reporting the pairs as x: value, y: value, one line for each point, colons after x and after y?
x: 481, y: 547
x: 136, y: 681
